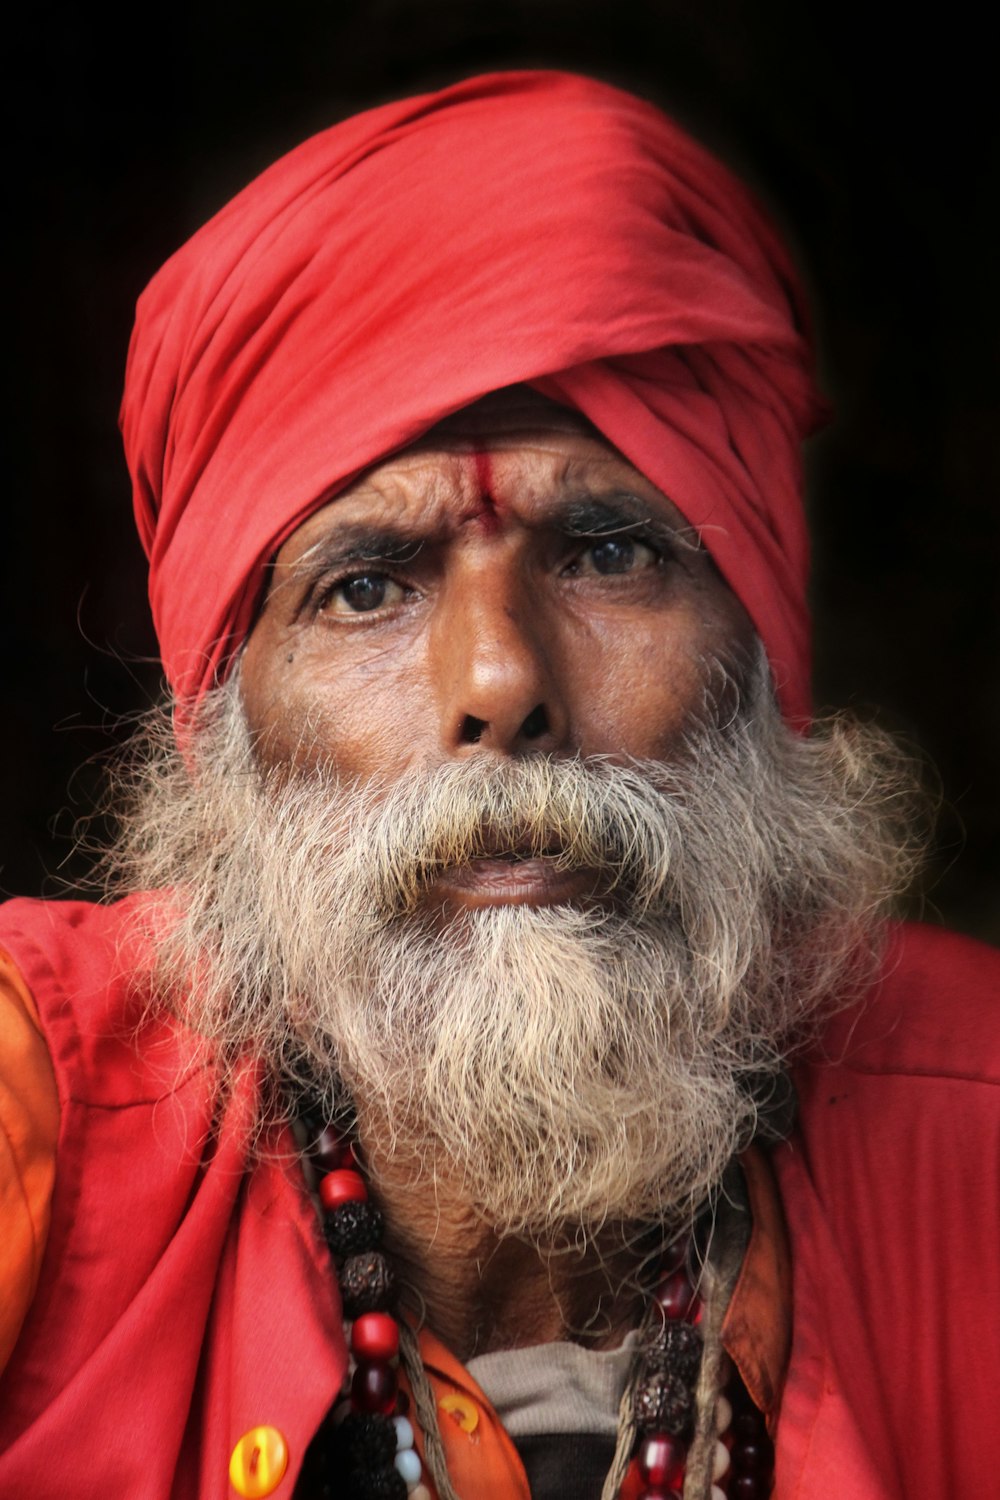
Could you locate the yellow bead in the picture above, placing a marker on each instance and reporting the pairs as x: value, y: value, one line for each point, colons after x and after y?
x: 259, y: 1461
x: 461, y: 1410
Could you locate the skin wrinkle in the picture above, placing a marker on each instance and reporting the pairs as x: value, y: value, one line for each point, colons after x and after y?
x: 544, y: 1068
x: 496, y: 593
x: 371, y: 895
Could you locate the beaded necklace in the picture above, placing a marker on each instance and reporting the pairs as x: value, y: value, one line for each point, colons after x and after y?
x: 366, y: 1446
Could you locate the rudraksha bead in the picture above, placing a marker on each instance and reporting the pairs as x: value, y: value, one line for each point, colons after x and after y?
x: 354, y: 1227
x: 376, y: 1484
x: 365, y: 1440
x: 677, y: 1351
x: 665, y: 1404
x: 367, y: 1283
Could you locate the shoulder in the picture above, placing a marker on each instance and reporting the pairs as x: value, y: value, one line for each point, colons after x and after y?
x: 55, y: 935
x: 933, y: 1012
x: 87, y: 968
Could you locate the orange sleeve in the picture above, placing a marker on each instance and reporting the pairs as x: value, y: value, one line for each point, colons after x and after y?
x: 757, y: 1330
x: 29, y: 1130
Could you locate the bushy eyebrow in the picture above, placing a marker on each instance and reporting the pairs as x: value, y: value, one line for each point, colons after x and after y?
x: 589, y: 515
x: 400, y: 542
x: 609, y: 515
x: 357, y: 543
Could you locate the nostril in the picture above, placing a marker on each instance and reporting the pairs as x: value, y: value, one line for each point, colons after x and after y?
x: 536, y: 724
x: 472, y: 730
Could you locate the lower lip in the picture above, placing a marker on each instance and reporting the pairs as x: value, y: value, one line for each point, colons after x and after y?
x: 501, y: 882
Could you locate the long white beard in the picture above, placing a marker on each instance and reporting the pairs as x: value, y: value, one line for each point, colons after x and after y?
x: 566, y: 1065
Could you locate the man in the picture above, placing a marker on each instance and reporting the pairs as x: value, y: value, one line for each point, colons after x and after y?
x: 483, y: 878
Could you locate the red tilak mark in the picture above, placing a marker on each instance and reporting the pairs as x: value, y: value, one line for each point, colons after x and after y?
x: 255, y: 1460
x: 484, y: 475
x: 488, y: 511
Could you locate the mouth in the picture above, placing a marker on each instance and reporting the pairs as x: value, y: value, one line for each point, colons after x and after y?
x: 513, y: 875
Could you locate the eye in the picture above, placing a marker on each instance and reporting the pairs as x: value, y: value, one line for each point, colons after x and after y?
x: 360, y: 593
x: 615, y: 554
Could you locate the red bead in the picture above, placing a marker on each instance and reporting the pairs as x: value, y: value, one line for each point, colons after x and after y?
x: 330, y: 1149
x: 661, y: 1461
x: 674, y: 1257
x: 675, y: 1296
x: 373, y: 1388
x: 375, y: 1336
x: 342, y: 1187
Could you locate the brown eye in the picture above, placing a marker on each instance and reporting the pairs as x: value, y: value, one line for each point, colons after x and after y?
x: 616, y: 554
x: 363, y: 592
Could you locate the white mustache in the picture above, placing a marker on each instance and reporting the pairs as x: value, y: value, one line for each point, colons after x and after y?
x: 612, y: 819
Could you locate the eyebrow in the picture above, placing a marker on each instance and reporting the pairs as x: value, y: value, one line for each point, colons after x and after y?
x: 576, y: 515
x: 590, y: 516
x: 624, y: 511
x: 358, y: 543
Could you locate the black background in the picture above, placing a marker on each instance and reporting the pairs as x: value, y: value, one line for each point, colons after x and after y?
x: 873, y: 136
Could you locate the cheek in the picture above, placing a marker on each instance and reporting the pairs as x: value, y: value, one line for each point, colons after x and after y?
x: 635, y: 690
x: 367, y: 718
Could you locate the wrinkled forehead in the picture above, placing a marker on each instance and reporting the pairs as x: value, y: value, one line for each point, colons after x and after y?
x: 512, y: 445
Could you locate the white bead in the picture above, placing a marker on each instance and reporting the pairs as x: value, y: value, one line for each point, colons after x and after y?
x: 720, y: 1461
x: 408, y: 1465
x: 404, y: 1433
x: 723, y: 1414
x: 717, y: 1494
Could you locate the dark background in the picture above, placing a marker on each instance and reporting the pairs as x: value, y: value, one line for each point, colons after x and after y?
x: 873, y: 136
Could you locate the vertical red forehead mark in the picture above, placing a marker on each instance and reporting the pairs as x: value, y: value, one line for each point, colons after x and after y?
x: 488, y: 506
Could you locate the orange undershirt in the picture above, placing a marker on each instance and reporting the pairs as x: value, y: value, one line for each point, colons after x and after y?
x: 29, y: 1131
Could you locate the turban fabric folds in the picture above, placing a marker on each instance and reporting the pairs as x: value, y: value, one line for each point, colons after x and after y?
x: 517, y: 228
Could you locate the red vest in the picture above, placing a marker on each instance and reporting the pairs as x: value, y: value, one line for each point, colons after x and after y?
x: 182, y: 1299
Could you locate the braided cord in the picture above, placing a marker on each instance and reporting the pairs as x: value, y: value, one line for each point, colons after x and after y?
x: 426, y: 1411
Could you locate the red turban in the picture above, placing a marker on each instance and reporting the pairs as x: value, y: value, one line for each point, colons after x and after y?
x: 522, y: 227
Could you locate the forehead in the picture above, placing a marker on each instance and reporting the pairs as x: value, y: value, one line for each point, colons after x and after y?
x: 538, y: 453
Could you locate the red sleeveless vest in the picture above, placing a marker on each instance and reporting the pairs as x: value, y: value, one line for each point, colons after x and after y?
x: 184, y: 1298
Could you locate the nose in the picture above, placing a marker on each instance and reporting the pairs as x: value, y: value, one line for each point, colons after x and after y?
x: 501, y: 688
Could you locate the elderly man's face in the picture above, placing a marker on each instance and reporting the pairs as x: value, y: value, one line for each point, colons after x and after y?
x: 508, y: 585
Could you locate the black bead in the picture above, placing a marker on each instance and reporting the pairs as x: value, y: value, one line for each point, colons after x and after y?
x: 353, y: 1227
x: 375, y: 1484
x: 748, y: 1424
x: 749, y: 1487
x: 676, y: 1351
x: 752, y: 1458
x: 365, y: 1440
x: 383, y: 1484
x: 665, y: 1404
x: 367, y: 1284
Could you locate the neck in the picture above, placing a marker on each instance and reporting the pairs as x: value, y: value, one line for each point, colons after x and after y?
x: 480, y: 1291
